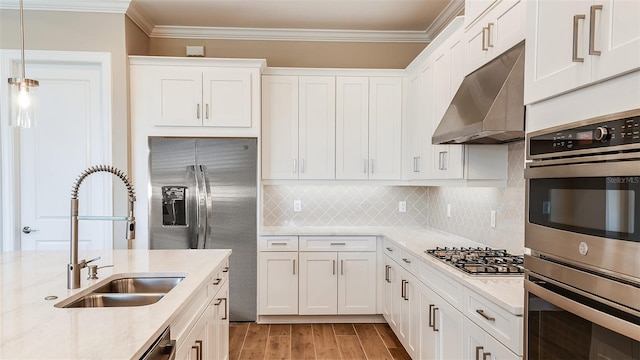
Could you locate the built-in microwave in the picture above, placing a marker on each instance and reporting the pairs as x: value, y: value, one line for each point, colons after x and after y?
x: 582, y: 230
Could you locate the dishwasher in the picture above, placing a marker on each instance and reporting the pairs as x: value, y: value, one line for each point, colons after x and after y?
x: 162, y: 349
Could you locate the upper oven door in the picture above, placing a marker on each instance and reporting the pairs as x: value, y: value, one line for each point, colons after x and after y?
x: 586, y: 212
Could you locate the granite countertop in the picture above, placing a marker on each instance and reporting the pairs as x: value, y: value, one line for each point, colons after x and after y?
x: 506, y: 292
x: 32, y: 328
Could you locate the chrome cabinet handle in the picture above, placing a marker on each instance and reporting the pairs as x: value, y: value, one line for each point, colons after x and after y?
x: 389, y: 249
x: 279, y: 243
x: 386, y: 273
x: 341, y: 267
x: 487, y: 317
x: 198, y: 348
x: 226, y: 309
x: 402, y: 288
x: 364, y: 165
x: 442, y: 163
x: 575, y: 57
x: 406, y: 260
x: 478, y: 348
x: 372, y: 164
x: 28, y: 230
x: 592, y: 30
x: 217, y: 281
x: 486, y: 356
x: 338, y: 243
x: 334, y: 267
x: 198, y: 111
x: 294, y: 266
x: 435, y: 321
x: 484, y: 39
x: 206, y: 111
x: 489, y: 44
x: 295, y: 166
x: 225, y: 269
x: 302, y: 166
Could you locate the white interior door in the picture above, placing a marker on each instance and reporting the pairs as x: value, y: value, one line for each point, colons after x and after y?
x: 72, y: 132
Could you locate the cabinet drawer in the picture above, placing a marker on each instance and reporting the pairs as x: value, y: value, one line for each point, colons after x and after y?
x: 278, y: 243
x: 337, y: 243
x: 449, y: 289
x: 408, y: 261
x: 501, y: 324
x: 392, y: 250
x: 220, y: 275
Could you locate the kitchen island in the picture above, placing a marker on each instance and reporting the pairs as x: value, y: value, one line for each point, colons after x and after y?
x: 31, y: 327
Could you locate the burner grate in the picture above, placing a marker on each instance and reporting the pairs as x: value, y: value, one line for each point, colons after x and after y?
x: 480, y: 261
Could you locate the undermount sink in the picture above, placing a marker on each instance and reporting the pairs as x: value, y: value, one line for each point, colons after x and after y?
x: 93, y: 300
x: 140, y: 285
x: 127, y: 291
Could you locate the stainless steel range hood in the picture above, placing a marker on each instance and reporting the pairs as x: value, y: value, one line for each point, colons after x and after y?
x: 489, y: 106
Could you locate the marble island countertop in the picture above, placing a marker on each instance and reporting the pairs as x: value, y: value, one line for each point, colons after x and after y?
x: 33, y: 328
x: 505, y: 291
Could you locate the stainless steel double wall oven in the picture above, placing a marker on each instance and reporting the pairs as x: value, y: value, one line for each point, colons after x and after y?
x: 582, y: 278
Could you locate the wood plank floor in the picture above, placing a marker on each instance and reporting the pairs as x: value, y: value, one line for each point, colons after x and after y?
x: 249, y: 341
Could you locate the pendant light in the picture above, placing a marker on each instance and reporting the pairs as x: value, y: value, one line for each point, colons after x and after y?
x: 23, y: 91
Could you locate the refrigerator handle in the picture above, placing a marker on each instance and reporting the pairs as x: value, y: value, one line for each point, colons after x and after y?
x: 198, y: 202
x: 208, y: 206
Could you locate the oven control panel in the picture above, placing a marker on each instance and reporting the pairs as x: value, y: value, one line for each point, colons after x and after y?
x: 604, y: 136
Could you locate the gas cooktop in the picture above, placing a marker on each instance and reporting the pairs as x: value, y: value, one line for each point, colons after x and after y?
x: 480, y: 261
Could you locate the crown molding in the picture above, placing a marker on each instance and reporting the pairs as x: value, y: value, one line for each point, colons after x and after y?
x: 140, y: 19
x: 230, y: 33
x: 102, y: 6
x: 454, y: 8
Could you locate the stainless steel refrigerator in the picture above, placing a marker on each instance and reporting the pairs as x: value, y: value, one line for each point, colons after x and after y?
x: 203, y: 196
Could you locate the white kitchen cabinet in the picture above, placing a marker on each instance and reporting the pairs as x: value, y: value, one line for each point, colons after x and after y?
x: 337, y: 275
x: 408, y: 305
x: 385, y: 128
x: 196, y: 345
x: 571, y: 44
x: 473, y: 9
x: 278, y: 275
x: 391, y: 277
x: 298, y: 134
x: 352, y: 127
x: 499, y: 29
x: 197, y: 96
x: 477, y: 344
x: 420, y: 118
x: 278, y: 283
x: 440, y: 327
x: 368, y: 130
x: 219, y: 325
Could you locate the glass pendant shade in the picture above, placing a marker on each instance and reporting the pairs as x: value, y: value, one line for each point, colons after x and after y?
x: 23, y: 94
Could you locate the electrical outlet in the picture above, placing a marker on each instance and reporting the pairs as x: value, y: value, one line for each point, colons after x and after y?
x: 493, y: 218
x: 448, y: 210
x: 297, y: 205
x: 402, y: 206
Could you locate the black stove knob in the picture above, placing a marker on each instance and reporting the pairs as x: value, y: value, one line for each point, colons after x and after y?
x: 602, y: 134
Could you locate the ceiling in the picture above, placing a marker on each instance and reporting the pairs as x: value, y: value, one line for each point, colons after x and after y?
x: 369, y: 20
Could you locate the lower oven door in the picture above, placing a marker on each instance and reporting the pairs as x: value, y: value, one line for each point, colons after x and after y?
x: 561, y: 323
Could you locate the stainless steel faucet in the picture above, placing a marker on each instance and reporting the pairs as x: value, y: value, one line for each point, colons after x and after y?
x: 74, y: 267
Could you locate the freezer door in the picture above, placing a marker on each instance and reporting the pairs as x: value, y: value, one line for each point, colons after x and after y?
x: 231, y: 167
x: 173, y: 215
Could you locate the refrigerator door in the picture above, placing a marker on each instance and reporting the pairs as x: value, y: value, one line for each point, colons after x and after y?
x: 173, y: 215
x: 231, y: 168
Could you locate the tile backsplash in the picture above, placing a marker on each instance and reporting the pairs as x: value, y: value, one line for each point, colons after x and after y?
x: 373, y: 205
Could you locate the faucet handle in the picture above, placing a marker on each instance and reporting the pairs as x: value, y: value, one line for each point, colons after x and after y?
x: 83, y: 263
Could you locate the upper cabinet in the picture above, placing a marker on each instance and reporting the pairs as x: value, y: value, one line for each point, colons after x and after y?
x: 298, y: 133
x: 179, y: 92
x: 331, y: 127
x: 501, y: 26
x: 571, y: 44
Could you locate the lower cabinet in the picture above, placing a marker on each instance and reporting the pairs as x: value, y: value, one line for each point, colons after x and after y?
x: 440, y: 327
x: 278, y: 284
x: 401, y: 305
x: 337, y: 283
x: 209, y: 336
x: 478, y: 344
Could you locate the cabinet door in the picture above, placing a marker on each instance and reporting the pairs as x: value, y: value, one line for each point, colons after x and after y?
x: 227, y: 98
x: 473, y: 339
x: 418, y: 137
x: 409, y: 312
x: 278, y: 283
x: 219, y: 344
x: 279, y: 127
x: 508, y: 29
x: 385, y: 127
x: 176, y: 96
x: 550, y: 67
x: 474, y: 8
x: 317, y: 127
x: 357, y: 283
x: 390, y: 297
x: 195, y: 346
x: 318, y: 283
x: 617, y: 37
x: 478, y: 52
x: 352, y: 127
